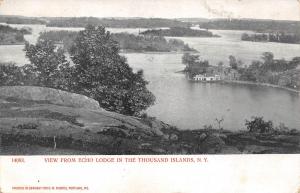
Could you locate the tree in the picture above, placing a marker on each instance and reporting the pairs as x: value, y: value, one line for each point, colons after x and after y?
x: 101, y: 73
x: 294, y: 63
x: 268, y: 58
x: 48, y: 64
x: 220, y: 67
x: 189, y: 59
x: 233, y: 62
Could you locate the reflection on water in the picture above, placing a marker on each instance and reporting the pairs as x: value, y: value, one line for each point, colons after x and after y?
x: 192, y: 105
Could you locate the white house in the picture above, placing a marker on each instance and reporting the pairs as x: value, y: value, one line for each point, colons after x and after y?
x: 201, y: 77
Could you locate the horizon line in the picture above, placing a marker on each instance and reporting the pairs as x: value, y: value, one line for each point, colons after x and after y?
x: 138, y: 17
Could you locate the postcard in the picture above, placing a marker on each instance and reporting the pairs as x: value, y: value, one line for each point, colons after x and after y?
x: 149, y: 96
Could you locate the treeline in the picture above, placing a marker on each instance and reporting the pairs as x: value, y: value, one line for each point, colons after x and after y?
x: 127, y: 42
x: 253, y: 25
x: 179, y: 32
x: 115, y: 23
x: 268, y: 70
x: 11, y: 36
x: 66, y: 38
x: 149, y: 43
x: 20, y: 20
x: 281, y: 37
x: 273, y: 71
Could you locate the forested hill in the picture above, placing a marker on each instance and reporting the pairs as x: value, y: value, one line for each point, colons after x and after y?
x: 115, y: 23
x: 253, y: 25
x: 84, y: 21
x: 12, y: 36
x: 179, y: 32
x: 127, y: 42
x: 21, y: 20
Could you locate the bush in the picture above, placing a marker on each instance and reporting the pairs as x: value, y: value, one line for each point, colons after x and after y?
x: 10, y: 75
x: 258, y: 125
x: 49, y: 66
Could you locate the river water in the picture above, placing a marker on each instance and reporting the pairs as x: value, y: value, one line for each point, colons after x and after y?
x: 190, y: 105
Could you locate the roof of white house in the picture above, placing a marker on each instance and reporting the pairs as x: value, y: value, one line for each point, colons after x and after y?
x: 199, y: 75
x: 206, y: 75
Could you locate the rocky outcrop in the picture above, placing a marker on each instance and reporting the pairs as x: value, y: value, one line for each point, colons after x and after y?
x: 36, y: 120
x: 41, y: 116
x: 48, y: 95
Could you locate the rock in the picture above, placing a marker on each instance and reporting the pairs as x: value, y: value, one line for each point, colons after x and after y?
x: 288, y: 138
x: 159, y: 151
x: 257, y: 149
x: 220, y: 135
x: 247, y: 136
x: 202, y: 136
x: 157, y: 126
x: 230, y: 150
x: 294, y: 132
x: 173, y: 137
x: 42, y: 113
x: 212, y: 144
x: 50, y: 95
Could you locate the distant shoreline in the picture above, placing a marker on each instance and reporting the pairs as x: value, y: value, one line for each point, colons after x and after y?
x: 259, y: 84
x: 12, y: 44
x: 128, y: 51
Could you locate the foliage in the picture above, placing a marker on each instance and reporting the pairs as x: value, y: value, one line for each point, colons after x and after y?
x: 10, y: 75
x: 259, y: 125
x: 98, y: 72
x: 49, y: 66
x: 101, y: 73
x: 149, y: 43
x: 115, y: 23
x: 273, y: 71
x: 26, y: 126
x: 64, y: 37
x: 8, y: 29
x: 253, y: 25
x: 9, y: 35
x: 280, y: 37
x: 233, y: 62
x: 194, y: 65
x: 20, y: 20
x: 127, y: 42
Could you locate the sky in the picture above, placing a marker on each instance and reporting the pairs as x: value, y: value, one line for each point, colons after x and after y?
x: 260, y: 9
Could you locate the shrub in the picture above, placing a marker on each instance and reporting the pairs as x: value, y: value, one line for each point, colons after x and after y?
x: 10, y: 75
x: 49, y: 66
x: 27, y: 126
x: 258, y: 125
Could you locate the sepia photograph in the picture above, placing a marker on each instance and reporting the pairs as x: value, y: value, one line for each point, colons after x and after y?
x: 149, y: 77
